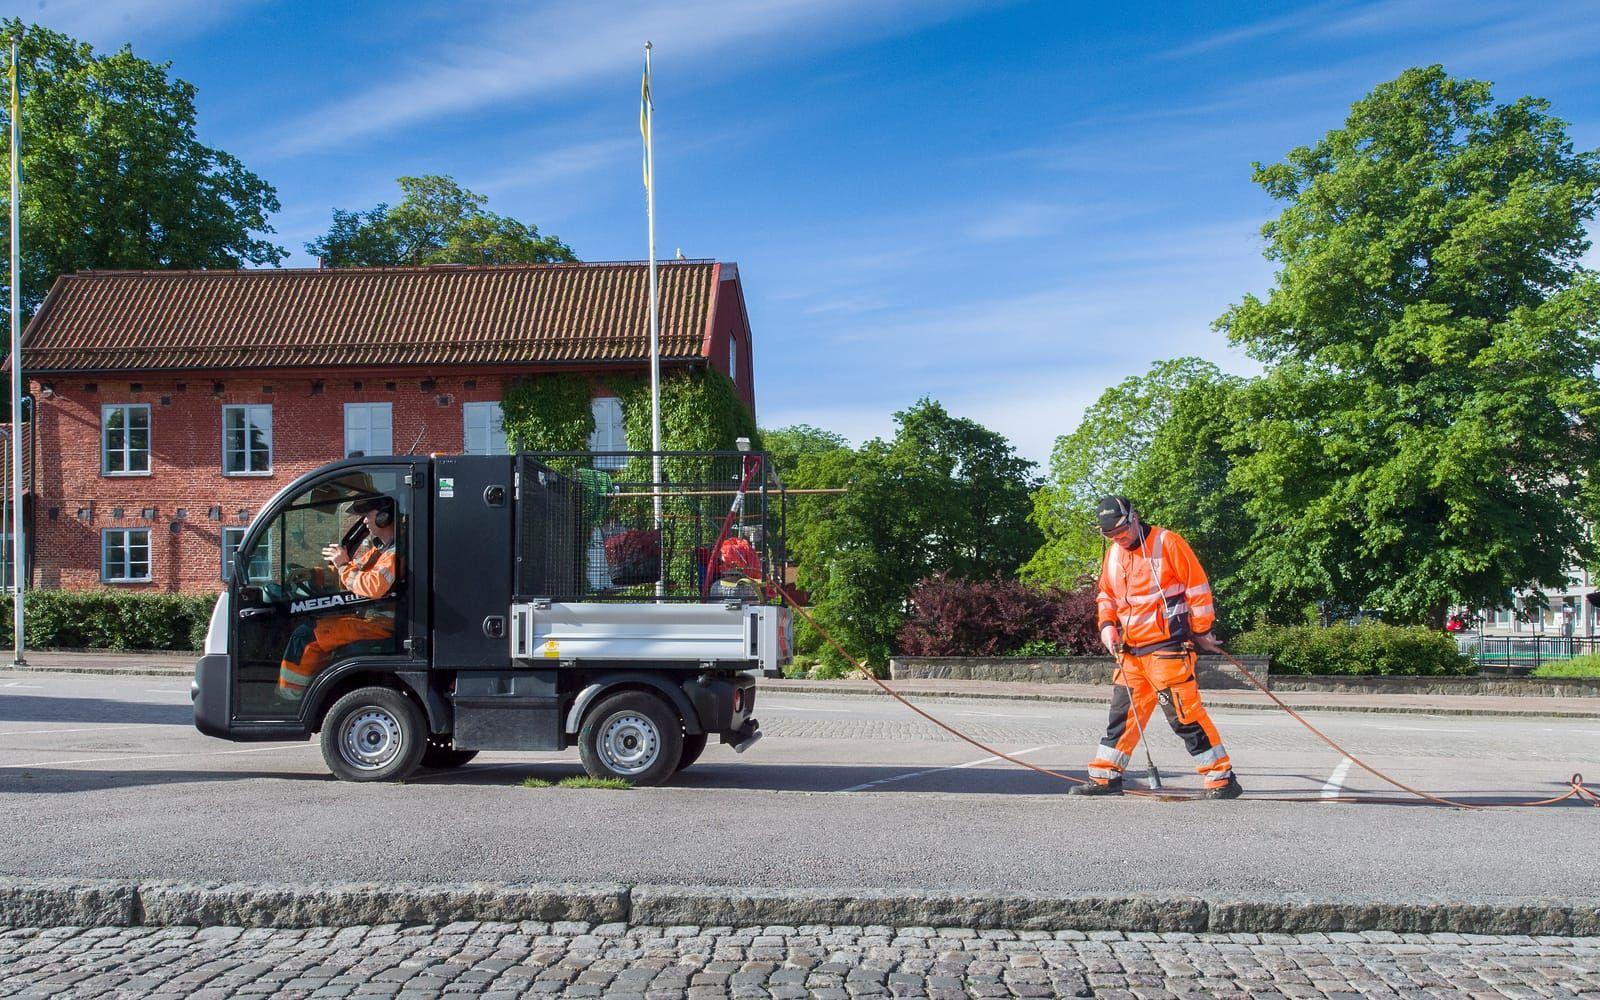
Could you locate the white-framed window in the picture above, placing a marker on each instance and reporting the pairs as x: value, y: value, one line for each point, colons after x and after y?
x: 125, y: 439
x: 247, y: 440
x: 125, y: 555
x: 7, y: 550
x: 733, y: 358
x: 483, y: 430
x: 608, y: 432
x: 368, y: 428
x: 260, y: 568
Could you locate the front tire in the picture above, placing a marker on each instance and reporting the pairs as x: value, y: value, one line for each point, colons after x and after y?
x: 633, y: 736
x: 373, y: 734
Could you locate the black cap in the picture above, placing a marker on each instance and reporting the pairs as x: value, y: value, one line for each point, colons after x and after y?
x: 1113, y: 512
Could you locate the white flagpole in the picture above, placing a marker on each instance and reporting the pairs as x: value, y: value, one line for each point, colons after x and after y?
x: 655, y: 318
x: 18, y: 575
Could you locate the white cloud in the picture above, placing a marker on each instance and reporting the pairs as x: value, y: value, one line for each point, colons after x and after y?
x: 553, y: 165
x: 525, y: 53
x: 109, y: 24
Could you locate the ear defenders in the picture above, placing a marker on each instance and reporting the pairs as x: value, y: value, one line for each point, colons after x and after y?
x: 383, y: 517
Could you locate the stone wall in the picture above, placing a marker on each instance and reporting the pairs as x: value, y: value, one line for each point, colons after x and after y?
x: 1214, y: 672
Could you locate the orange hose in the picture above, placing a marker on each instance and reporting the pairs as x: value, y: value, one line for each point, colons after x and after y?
x: 1577, y: 789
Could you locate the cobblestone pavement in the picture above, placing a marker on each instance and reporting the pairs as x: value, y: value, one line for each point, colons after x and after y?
x: 613, y: 960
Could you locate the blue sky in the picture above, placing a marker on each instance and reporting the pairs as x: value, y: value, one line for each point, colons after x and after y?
x: 1005, y: 206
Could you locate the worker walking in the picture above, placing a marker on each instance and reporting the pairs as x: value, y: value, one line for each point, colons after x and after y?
x: 369, y: 572
x: 1155, y: 610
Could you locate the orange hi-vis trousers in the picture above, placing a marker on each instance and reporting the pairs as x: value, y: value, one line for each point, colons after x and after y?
x: 1166, y: 678
x: 312, y: 644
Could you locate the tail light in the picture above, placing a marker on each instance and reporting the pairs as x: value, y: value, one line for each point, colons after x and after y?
x: 738, y: 700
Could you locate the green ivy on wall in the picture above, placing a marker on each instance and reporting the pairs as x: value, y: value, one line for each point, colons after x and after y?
x: 700, y: 411
x: 548, y: 413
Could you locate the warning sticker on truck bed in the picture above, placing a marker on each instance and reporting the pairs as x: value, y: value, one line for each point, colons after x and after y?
x: 550, y: 651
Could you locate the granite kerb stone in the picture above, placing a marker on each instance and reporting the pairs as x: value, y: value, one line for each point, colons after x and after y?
x: 1562, y: 917
x: 669, y: 905
x: 110, y: 903
x: 68, y: 902
x: 332, y: 905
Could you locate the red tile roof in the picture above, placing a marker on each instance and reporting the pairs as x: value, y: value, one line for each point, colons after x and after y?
x: 349, y: 317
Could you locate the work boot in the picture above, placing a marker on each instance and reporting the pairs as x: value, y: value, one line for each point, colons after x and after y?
x: 1111, y: 787
x: 1231, y: 790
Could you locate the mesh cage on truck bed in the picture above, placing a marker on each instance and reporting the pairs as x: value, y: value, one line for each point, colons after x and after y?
x: 587, y: 528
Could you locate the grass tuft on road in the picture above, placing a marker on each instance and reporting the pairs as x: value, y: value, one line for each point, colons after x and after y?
x: 578, y: 781
x: 584, y: 781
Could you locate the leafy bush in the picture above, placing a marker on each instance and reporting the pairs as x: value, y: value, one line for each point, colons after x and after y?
x: 1368, y: 649
x: 951, y: 617
x: 1041, y: 649
x: 110, y: 619
x: 1578, y: 666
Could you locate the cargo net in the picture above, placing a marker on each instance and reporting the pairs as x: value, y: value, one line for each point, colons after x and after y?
x: 587, y: 527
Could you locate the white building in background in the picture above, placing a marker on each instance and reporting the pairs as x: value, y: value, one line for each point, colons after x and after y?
x: 1568, y: 611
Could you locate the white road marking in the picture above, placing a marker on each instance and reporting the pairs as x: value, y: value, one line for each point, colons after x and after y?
x: 798, y: 708
x: 1335, y: 783
x: 19, y: 684
x: 163, y: 691
x: 1420, y: 729
x: 1002, y: 715
x: 936, y: 770
x: 52, y: 732
x: 152, y: 756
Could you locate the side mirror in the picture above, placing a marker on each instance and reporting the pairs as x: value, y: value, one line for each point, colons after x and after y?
x: 249, y: 596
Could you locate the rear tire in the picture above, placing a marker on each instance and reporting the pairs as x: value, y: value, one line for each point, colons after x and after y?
x: 439, y: 753
x: 693, y: 746
x: 373, y: 734
x: 633, y: 736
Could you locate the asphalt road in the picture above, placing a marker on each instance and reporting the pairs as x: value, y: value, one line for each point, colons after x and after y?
x: 106, y: 777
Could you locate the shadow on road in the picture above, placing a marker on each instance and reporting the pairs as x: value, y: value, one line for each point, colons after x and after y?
x: 838, y: 780
x: 42, y: 708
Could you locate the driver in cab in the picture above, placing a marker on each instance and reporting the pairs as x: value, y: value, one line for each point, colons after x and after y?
x: 369, y: 572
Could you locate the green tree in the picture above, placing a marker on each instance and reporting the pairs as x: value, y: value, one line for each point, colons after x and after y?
x: 787, y: 445
x: 1182, y: 482
x: 437, y: 222
x: 1427, y: 425
x: 113, y: 176
x: 944, y: 495
x: 1098, y: 458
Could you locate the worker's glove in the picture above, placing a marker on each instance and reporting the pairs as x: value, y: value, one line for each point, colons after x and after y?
x: 1207, y: 643
x: 1111, y: 638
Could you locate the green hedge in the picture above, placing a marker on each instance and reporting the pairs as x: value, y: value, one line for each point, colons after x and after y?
x: 110, y: 619
x: 1390, y: 650
x: 1579, y: 666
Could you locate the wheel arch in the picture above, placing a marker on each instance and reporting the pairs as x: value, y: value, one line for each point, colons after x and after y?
x: 611, y: 683
x: 335, y: 683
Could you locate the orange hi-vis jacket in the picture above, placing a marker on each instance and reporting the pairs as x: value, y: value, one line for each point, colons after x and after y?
x: 372, y: 571
x: 1156, y: 594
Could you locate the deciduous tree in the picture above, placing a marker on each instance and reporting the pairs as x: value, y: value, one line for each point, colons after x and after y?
x: 1428, y: 423
x: 113, y: 173
x: 436, y: 222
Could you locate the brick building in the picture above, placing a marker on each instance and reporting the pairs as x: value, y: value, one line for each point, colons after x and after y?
x: 172, y: 405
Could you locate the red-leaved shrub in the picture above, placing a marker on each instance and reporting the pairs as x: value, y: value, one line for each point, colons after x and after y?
x: 994, y: 617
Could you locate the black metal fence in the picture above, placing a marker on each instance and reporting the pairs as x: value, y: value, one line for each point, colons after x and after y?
x: 1525, y: 652
x: 588, y: 527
